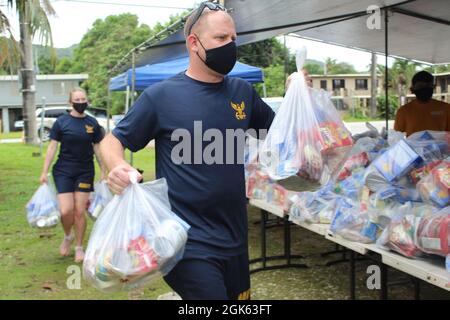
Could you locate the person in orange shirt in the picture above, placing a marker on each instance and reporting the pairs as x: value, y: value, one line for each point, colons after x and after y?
x: 423, y: 113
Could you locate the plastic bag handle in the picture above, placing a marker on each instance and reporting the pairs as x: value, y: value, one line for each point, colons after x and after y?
x: 133, y: 177
x: 134, y: 181
x: 300, y: 58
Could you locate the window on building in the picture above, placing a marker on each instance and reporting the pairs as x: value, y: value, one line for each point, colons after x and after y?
x: 59, y: 88
x: 361, y: 84
x: 443, y: 85
x: 15, y: 89
x: 338, y: 84
x: 323, y: 84
x: 339, y: 104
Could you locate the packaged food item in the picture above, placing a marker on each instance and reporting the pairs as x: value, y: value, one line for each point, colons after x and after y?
x: 433, y: 234
x: 430, y: 145
x: 417, y: 174
x: 257, y: 185
x: 351, y: 187
x: 350, y: 223
x: 353, y: 163
x: 313, y: 207
x: 434, y: 188
x: 397, y: 161
x: 400, y: 235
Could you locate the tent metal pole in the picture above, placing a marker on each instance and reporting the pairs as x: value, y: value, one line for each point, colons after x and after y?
x: 373, y: 86
x: 108, y: 108
x: 133, y: 82
x: 332, y: 22
x: 127, y: 99
x: 386, y: 70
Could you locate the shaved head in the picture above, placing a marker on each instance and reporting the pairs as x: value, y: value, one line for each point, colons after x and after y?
x: 204, y: 21
x: 213, y: 29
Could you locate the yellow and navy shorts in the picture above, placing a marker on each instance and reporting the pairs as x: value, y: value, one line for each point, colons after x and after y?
x: 75, y: 181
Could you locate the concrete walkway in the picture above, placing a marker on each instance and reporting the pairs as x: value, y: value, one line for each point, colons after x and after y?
x: 11, y: 140
x: 359, y: 127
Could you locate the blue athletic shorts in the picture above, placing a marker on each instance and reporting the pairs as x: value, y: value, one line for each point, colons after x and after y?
x: 209, y: 276
x: 73, y: 180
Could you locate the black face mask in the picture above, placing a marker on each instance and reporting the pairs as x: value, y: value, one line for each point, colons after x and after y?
x: 424, y: 94
x: 221, y: 59
x: 80, y: 107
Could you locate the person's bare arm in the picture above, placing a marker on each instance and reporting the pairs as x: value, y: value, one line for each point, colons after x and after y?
x: 399, y: 124
x: 103, y: 170
x: 112, y: 154
x: 49, y: 156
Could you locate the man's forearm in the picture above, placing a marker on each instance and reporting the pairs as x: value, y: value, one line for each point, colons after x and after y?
x: 111, y: 152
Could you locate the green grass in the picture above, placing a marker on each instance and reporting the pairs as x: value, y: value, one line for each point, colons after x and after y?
x: 32, y: 268
x: 11, y: 135
x: 350, y: 118
x: 29, y: 258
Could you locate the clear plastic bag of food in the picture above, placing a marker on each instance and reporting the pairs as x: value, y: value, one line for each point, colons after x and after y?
x: 401, y: 233
x: 352, y: 224
x: 307, y: 137
x: 433, y: 234
x: 313, y: 207
x: 137, y: 238
x: 435, y: 187
x: 397, y: 161
x: 102, y: 196
x: 43, y: 209
x: 432, y: 146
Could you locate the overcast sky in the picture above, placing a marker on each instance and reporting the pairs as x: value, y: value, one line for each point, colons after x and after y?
x: 74, y: 18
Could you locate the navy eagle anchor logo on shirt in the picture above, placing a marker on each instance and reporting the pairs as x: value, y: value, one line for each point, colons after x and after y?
x: 240, y: 114
x: 89, y: 129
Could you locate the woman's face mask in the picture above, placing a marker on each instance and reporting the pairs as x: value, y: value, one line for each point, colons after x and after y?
x: 79, y: 106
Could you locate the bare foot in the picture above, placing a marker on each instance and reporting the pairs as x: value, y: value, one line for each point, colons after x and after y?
x: 79, y: 254
x: 64, y: 248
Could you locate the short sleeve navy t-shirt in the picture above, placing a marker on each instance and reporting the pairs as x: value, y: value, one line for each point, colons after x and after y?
x: 208, y: 196
x: 76, y: 136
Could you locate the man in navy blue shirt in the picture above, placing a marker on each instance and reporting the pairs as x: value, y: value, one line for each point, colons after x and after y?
x: 200, y: 103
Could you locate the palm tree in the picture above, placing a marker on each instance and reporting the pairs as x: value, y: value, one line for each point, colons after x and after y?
x: 400, y: 76
x: 402, y: 73
x: 330, y: 64
x: 33, y: 21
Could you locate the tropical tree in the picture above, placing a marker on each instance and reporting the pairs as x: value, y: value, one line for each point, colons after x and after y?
x: 402, y: 73
x: 33, y: 24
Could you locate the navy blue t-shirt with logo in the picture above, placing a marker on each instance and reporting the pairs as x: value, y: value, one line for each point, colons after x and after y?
x: 208, y: 196
x: 76, y: 136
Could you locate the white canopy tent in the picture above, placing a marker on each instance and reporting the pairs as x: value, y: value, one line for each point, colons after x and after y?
x: 419, y: 31
x: 412, y: 29
x: 417, y: 28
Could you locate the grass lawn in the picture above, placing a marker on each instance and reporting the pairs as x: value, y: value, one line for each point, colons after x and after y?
x: 33, y: 269
x: 29, y: 259
x: 350, y: 118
